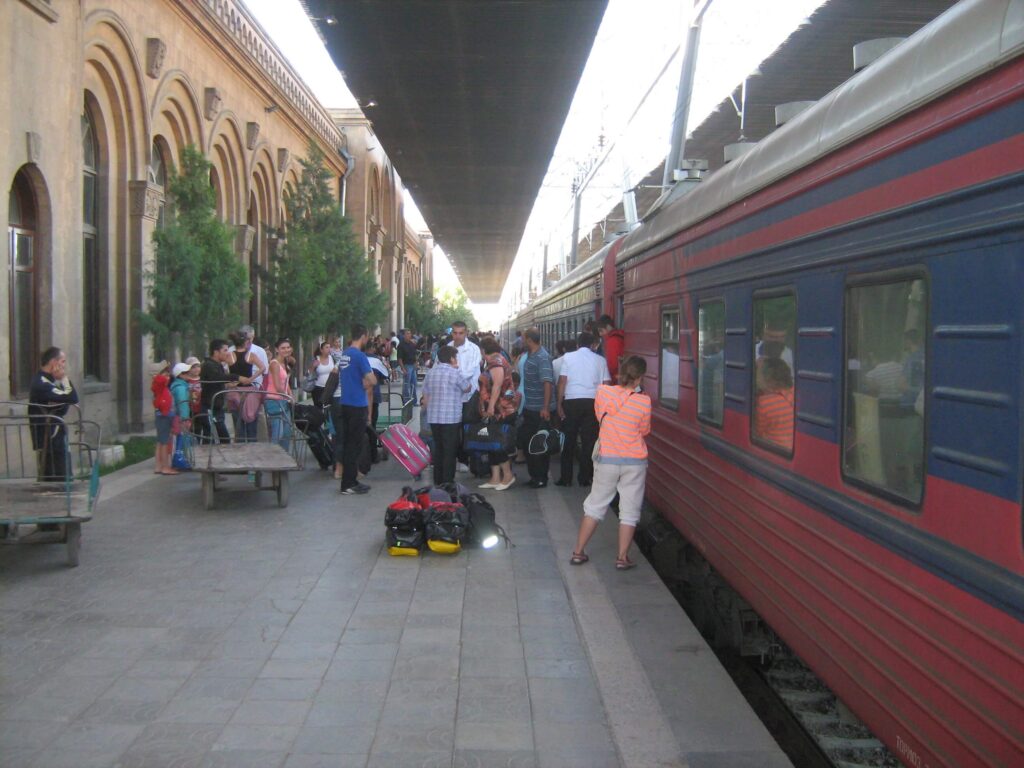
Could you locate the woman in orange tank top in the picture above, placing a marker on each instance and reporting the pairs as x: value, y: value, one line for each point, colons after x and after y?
x: 620, y: 461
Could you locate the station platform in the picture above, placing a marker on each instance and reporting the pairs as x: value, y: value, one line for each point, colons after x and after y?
x: 255, y: 636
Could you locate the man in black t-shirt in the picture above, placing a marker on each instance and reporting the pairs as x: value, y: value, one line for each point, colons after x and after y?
x: 407, y: 354
x: 50, y: 395
x: 215, y: 379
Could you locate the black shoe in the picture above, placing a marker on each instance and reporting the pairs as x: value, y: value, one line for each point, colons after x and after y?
x: 363, y: 487
x: 584, y: 483
x: 354, y: 489
x: 563, y: 483
x: 537, y: 484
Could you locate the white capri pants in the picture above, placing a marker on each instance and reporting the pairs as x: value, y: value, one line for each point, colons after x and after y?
x: 626, y: 479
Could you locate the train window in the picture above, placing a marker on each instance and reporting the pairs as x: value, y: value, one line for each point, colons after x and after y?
x: 771, y: 423
x: 669, y: 373
x: 711, y: 361
x: 883, y: 439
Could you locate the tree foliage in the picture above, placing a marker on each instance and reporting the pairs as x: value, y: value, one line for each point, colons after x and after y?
x: 320, y: 280
x: 435, y: 315
x: 197, y: 286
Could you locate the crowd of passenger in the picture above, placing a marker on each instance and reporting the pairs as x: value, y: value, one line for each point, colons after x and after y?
x: 542, y: 405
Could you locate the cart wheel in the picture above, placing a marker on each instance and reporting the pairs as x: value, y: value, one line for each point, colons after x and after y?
x: 208, y: 488
x: 281, y: 483
x: 73, y: 534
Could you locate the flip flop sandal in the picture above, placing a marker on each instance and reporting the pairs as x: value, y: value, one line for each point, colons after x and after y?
x: 624, y: 564
x: 579, y: 558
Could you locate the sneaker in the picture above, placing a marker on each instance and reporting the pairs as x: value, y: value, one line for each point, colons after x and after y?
x: 363, y: 486
x: 460, y: 467
x: 537, y: 484
x: 354, y: 489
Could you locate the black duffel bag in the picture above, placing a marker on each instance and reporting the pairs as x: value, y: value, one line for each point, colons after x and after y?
x: 445, y: 524
x: 489, y: 436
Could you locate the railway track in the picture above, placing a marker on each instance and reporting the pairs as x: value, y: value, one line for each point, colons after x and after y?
x: 810, y: 724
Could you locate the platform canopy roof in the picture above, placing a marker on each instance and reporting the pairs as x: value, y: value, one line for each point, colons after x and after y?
x: 816, y: 58
x: 470, y: 100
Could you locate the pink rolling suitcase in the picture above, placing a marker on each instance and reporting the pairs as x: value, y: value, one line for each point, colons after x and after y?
x: 407, y: 447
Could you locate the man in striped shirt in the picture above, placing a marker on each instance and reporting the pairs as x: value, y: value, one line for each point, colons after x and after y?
x: 538, y: 403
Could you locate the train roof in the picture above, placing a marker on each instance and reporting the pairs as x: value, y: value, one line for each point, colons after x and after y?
x: 588, y: 268
x: 966, y: 41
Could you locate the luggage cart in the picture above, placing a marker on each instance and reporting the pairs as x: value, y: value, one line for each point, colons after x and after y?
x: 40, y: 504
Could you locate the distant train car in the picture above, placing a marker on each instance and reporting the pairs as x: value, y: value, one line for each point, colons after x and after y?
x: 832, y: 326
x: 563, y: 309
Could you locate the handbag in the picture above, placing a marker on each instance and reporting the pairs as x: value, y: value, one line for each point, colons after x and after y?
x: 546, y: 442
x: 471, y: 409
x: 330, y: 387
x: 488, y: 436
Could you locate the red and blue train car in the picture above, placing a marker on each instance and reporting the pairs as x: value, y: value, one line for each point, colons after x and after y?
x: 874, y: 246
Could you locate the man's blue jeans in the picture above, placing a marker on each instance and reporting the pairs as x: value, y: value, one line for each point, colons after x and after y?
x: 409, y: 383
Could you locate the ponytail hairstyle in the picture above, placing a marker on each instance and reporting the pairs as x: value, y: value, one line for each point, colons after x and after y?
x: 632, y: 370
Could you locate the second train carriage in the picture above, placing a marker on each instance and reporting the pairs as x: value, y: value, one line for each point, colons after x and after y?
x: 875, y: 246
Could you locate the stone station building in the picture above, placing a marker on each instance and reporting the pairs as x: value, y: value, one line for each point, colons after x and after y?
x: 102, y: 97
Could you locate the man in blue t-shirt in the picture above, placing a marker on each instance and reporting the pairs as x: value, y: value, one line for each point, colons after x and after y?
x: 356, y: 380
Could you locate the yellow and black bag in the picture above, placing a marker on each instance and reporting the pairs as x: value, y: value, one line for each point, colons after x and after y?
x: 404, y: 530
x: 445, y: 524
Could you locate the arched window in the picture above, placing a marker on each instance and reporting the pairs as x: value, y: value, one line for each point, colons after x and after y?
x: 158, y: 175
x: 92, y: 268
x: 22, y: 239
x: 218, y: 194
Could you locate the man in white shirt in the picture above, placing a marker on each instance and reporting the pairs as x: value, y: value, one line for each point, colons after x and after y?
x: 470, y: 360
x: 258, y: 351
x: 583, y: 371
x: 469, y: 357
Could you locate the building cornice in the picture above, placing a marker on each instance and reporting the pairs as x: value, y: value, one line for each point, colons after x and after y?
x: 252, y: 41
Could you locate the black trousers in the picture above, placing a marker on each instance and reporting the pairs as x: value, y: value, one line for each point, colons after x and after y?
x: 581, y: 422
x: 447, y: 441
x: 538, y: 466
x: 353, y: 433
x: 204, y: 429
x: 53, y: 456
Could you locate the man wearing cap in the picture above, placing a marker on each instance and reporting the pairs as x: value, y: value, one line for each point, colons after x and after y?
x: 50, y: 395
x: 195, y: 388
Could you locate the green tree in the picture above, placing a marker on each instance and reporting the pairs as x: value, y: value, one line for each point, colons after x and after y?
x: 429, y: 314
x: 454, y: 305
x: 421, y: 312
x: 320, y: 280
x: 197, y: 285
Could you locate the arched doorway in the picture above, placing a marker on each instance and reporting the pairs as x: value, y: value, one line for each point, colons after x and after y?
x: 24, y: 250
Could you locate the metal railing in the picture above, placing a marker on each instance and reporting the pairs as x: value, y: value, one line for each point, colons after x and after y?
x: 31, y: 450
